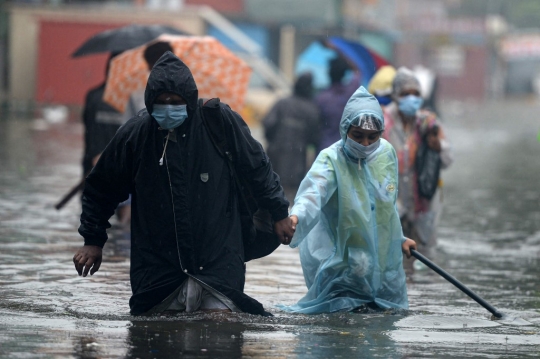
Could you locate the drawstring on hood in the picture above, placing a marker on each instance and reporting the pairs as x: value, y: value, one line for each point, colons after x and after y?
x: 165, y: 148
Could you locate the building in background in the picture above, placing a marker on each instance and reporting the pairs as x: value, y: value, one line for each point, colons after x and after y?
x: 466, y: 43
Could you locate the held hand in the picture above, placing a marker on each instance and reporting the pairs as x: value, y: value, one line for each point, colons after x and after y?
x: 285, y: 230
x: 406, y: 247
x: 87, y: 257
x: 294, y: 220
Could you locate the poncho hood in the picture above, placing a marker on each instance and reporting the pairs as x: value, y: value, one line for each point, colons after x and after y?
x: 360, y: 103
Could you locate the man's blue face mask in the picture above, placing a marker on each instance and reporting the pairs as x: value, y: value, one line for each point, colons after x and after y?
x: 408, y: 105
x: 169, y: 116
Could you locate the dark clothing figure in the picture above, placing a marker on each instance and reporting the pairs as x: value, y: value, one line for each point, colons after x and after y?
x: 185, y: 212
x: 101, y: 121
x: 332, y: 101
x: 290, y: 126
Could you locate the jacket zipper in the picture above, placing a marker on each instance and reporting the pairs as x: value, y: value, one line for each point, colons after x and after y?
x: 174, y: 213
x: 219, y: 295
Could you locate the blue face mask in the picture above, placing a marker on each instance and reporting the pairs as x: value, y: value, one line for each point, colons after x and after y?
x: 408, y: 105
x: 356, y: 150
x: 169, y: 116
x: 383, y: 100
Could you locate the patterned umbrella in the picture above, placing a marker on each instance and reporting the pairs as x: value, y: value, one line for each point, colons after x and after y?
x: 217, y: 71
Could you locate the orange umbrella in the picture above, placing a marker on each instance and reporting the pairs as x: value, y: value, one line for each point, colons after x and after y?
x: 216, y: 70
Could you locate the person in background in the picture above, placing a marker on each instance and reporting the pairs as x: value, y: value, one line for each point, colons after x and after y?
x: 101, y: 121
x: 187, y: 249
x: 332, y: 100
x: 151, y: 54
x: 408, y: 128
x: 290, y: 126
x: 347, y: 225
x: 380, y: 84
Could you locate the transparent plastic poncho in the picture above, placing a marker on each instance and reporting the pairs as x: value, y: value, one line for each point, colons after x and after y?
x: 349, y: 233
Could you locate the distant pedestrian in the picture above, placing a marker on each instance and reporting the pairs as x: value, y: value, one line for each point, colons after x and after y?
x: 151, y: 54
x: 290, y: 126
x: 332, y: 100
x: 380, y: 84
x: 101, y: 121
x: 415, y: 134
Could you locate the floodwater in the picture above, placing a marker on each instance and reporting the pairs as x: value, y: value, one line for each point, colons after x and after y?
x: 489, y: 239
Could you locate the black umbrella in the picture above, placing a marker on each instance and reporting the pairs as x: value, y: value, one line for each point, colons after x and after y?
x: 123, y: 38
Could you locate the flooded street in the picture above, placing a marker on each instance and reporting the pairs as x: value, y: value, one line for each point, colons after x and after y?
x: 489, y: 238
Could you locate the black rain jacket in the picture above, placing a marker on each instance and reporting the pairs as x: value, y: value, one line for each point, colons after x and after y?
x: 185, y: 213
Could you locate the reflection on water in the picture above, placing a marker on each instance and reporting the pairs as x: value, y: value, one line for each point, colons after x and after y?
x: 489, y: 240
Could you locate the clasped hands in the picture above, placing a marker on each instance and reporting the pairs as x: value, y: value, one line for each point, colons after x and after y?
x: 285, y: 229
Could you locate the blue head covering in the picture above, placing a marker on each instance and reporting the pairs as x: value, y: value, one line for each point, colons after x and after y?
x: 362, y: 110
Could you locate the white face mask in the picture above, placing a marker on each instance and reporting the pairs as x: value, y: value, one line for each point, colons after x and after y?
x: 356, y: 150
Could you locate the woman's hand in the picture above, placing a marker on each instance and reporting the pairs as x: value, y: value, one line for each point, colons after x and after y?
x: 294, y: 220
x: 407, y: 245
x: 433, y: 142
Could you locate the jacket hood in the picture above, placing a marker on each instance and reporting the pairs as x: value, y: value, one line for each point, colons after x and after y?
x: 360, y: 103
x: 170, y: 74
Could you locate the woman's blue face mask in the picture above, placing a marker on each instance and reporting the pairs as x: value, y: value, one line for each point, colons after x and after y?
x: 358, y: 151
x: 408, y: 105
x: 169, y: 116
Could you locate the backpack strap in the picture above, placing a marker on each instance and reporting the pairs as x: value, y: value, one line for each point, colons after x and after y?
x: 213, y: 121
x: 257, y: 225
x: 215, y: 124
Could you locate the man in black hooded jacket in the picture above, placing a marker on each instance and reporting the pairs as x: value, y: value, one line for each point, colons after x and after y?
x: 186, y: 227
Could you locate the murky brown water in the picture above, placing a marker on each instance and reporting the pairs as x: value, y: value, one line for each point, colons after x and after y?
x: 489, y: 239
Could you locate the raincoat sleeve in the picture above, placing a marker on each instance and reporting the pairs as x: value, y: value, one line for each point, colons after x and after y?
x: 446, y: 149
x: 253, y: 164
x: 313, y: 194
x: 105, y: 187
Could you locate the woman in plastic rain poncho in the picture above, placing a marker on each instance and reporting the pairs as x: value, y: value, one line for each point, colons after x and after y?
x: 347, y: 225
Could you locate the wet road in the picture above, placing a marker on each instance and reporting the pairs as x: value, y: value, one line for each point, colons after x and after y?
x: 489, y: 239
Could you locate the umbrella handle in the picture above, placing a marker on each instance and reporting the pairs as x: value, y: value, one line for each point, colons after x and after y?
x: 455, y: 282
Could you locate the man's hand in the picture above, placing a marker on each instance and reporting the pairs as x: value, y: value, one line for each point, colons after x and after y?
x: 407, y: 245
x: 285, y: 230
x: 87, y: 257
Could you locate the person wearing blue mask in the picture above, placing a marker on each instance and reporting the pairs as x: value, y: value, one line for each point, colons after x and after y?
x: 187, y: 245
x: 380, y: 84
x: 346, y: 223
x: 409, y: 128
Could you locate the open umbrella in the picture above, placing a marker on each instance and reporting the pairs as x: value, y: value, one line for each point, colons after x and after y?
x: 123, y: 38
x: 317, y: 56
x: 217, y: 71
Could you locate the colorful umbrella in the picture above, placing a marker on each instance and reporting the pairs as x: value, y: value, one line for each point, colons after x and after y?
x: 317, y: 56
x: 217, y: 71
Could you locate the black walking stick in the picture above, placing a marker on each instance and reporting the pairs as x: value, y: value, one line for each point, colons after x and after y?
x: 72, y: 192
x: 464, y: 289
